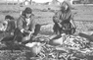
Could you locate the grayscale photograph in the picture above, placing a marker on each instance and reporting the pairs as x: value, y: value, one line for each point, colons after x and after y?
x: 46, y: 30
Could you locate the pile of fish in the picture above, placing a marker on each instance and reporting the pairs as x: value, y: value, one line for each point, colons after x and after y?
x: 73, y: 48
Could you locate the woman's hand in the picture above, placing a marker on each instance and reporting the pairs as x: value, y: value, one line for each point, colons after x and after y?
x: 27, y: 31
x: 28, y: 35
x: 60, y: 25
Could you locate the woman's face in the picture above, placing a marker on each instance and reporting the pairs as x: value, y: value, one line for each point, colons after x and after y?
x: 7, y: 19
x: 28, y: 15
x: 64, y: 7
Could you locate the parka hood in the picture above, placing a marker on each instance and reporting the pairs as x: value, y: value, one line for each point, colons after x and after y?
x: 67, y: 2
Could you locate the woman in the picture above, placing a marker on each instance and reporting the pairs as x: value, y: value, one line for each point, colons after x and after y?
x: 64, y: 24
x: 26, y: 25
x: 10, y: 24
x: 63, y: 20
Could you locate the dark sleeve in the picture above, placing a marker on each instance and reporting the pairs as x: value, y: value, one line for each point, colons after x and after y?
x: 20, y: 23
x: 13, y: 24
x: 72, y: 21
x: 56, y: 17
x: 33, y: 23
x: 10, y: 26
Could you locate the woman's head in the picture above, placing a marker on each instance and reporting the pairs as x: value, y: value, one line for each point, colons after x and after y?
x: 27, y: 12
x: 65, y: 6
x: 8, y: 17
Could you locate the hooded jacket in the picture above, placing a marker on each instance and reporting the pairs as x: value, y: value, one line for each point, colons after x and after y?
x: 61, y: 16
x: 22, y: 24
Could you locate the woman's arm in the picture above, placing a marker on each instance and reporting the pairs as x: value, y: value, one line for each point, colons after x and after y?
x: 32, y: 24
x: 72, y: 21
x: 20, y: 24
x: 56, y: 19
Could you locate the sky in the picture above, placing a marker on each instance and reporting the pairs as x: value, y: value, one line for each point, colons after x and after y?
x: 42, y: 1
x: 38, y: 1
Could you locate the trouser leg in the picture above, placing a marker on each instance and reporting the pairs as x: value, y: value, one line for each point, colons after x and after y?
x: 18, y: 35
x: 57, y: 29
x: 37, y: 29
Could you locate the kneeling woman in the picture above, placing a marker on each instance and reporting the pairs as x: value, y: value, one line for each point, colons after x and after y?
x: 63, y: 20
x: 9, y: 25
x: 64, y: 24
x: 26, y: 26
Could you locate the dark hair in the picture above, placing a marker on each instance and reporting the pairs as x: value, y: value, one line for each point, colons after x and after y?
x: 9, y: 17
x: 27, y: 10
